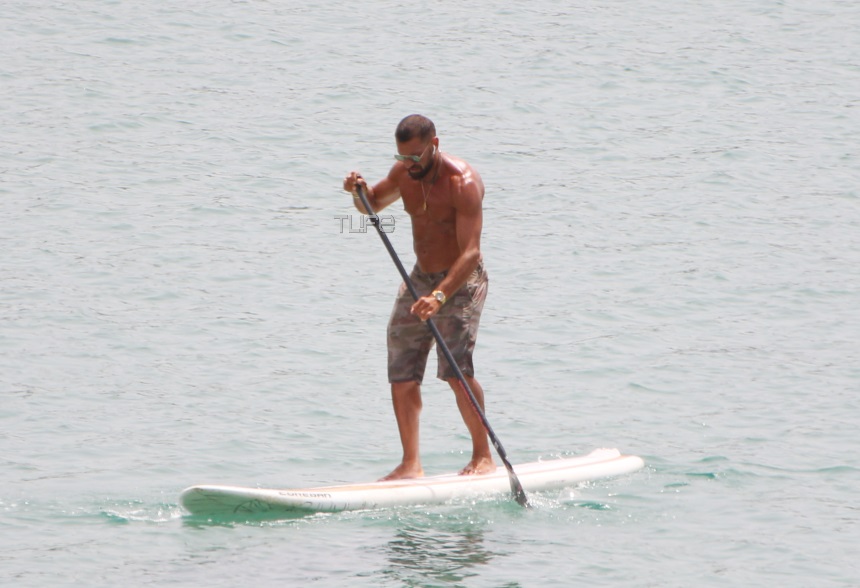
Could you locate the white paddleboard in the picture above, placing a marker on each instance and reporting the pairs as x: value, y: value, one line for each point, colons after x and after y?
x: 541, y: 475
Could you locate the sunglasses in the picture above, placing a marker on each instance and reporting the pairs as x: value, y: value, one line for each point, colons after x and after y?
x: 413, y: 158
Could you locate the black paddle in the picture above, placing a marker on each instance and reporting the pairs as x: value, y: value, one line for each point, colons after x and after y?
x: 516, y: 487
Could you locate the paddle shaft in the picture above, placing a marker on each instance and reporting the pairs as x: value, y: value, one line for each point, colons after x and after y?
x: 516, y: 488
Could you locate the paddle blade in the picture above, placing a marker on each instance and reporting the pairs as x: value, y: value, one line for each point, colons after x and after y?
x: 517, y: 489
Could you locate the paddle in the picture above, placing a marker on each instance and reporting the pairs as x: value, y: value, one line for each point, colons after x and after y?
x: 516, y: 487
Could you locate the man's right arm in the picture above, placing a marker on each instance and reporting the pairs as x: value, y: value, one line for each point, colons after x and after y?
x: 379, y: 196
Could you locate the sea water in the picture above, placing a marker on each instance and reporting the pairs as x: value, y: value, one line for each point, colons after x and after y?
x: 671, y: 229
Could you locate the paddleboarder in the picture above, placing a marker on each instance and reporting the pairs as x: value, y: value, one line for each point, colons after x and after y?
x: 443, y: 196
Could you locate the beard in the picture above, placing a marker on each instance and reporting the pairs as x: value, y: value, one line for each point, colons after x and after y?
x: 422, y: 172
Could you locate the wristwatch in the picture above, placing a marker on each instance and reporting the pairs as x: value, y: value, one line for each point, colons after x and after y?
x: 440, y: 296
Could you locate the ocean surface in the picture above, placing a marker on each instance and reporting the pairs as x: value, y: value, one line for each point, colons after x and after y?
x: 672, y: 233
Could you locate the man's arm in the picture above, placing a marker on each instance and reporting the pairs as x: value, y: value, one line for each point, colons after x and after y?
x: 467, y: 201
x: 379, y: 196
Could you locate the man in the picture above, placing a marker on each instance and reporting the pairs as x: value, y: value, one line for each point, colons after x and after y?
x: 443, y: 196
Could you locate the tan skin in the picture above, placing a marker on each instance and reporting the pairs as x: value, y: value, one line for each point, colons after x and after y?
x: 446, y: 236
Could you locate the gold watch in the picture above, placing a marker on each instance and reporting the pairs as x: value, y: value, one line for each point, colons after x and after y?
x: 440, y: 296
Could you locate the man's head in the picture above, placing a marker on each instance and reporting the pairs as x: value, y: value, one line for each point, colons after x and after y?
x: 415, y: 125
x: 416, y: 145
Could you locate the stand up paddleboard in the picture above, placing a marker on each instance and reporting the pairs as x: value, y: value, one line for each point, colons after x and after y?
x: 541, y: 475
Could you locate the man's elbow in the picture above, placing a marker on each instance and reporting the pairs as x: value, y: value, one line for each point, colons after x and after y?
x: 473, y: 256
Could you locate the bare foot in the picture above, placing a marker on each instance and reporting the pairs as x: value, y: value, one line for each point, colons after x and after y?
x: 478, y: 466
x: 404, y: 471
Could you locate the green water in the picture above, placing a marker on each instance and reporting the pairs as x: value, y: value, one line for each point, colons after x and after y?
x: 671, y: 232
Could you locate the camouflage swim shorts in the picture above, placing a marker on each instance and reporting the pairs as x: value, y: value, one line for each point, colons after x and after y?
x: 410, y: 339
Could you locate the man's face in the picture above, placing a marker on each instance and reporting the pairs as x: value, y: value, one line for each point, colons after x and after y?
x: 417, y: 155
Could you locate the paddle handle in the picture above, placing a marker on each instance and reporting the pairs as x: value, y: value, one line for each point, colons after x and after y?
x: 516, y: 487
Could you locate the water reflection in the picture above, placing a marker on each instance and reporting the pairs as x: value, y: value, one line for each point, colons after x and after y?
x: 432, y: 556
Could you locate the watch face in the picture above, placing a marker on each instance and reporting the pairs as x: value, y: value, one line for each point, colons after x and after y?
x: 440, y: 296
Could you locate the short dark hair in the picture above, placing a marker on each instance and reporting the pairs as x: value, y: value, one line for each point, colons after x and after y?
x: 415, y: 125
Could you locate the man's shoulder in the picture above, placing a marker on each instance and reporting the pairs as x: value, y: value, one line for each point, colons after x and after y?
x: 457, y: 166
x: 463, y: 177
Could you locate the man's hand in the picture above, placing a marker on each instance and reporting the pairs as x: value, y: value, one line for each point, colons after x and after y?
x: 425, y: 307
x: 352, y: 180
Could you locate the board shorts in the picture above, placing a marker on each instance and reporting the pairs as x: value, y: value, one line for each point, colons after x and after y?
x: 410, y: 339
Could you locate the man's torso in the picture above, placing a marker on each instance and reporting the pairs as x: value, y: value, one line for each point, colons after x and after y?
x: 434, y: 226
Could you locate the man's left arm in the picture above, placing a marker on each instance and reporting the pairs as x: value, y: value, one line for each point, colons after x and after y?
x: 469, y: 211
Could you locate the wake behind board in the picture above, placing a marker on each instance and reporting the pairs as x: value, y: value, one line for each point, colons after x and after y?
x: 541, y: 475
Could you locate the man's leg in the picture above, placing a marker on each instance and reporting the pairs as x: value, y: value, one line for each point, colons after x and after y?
x: 482, y: 458
x: 406, y: 397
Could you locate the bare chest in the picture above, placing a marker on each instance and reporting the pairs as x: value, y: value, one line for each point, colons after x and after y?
x: 428, y: 203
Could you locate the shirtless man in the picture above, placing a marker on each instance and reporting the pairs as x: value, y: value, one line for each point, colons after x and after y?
x: 443, y: 197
